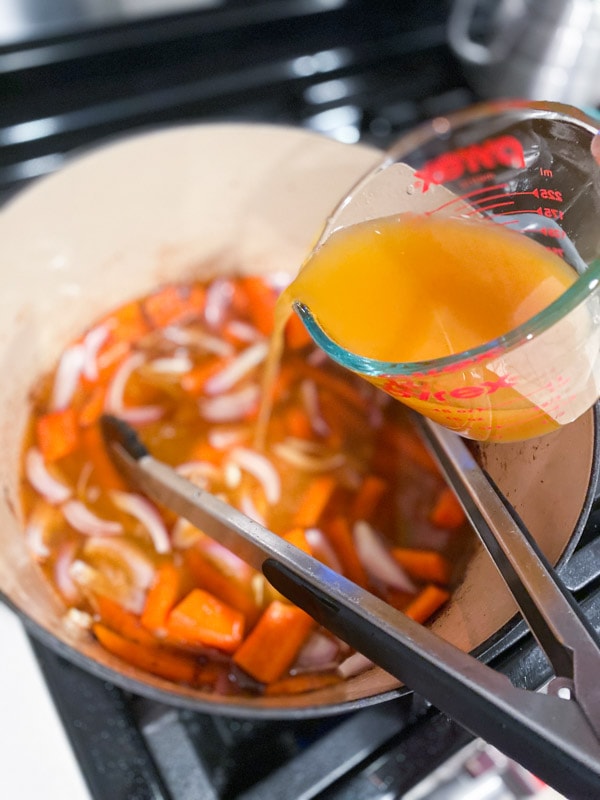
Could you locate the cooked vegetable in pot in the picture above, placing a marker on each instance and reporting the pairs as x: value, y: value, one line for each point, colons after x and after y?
x: 340, y: 474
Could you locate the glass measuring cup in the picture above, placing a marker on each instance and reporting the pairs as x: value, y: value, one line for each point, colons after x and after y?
x: 529, y: 167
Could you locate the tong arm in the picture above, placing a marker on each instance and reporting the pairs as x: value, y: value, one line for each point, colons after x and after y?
x: 563, y: 632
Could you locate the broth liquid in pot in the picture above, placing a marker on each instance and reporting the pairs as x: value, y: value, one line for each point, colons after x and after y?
x: 339, y: 473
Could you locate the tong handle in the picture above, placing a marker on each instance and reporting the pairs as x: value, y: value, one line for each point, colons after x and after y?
x: 547, y: 735
x: 563, y: 632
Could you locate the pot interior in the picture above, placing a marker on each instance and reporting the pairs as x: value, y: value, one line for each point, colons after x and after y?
x: 192, y: 201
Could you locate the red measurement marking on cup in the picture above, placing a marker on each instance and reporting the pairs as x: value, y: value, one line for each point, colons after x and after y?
x: 543, y: 211
x: 470, y: 196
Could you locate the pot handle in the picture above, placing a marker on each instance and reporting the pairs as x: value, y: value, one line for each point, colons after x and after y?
x: 506, y: 16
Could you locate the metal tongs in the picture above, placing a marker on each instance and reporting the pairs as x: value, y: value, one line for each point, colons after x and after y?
x: 555, y: 735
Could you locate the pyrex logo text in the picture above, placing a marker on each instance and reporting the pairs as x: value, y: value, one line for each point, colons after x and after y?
x: 504, y: 151
x: 408, y: 389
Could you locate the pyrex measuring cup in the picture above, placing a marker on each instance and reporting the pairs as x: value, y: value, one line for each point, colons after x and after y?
x: 527, y: 166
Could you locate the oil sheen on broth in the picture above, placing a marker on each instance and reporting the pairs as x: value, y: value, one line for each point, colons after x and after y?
x: 413, y: 288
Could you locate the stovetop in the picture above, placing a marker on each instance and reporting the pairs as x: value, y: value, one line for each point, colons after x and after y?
x: 355, y: 71
x: 345, y: 68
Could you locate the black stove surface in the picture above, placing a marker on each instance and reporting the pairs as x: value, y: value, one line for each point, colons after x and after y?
x: 355, y: 71
x: 349, y: 69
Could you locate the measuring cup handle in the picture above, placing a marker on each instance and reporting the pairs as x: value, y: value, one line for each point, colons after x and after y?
x: 508, y: 12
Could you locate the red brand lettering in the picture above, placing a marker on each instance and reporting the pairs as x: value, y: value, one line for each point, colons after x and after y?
x: 465, y: 392
x: 504, y: 151
x: 404, y: 388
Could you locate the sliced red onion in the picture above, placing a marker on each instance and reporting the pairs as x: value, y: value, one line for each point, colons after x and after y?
x: 51, y: 489
x: 231, y: 407
x: 90, y: 579
x: 199, y: 472
x: 218, y: 297
x: 147, y: 514
x: 242, y: 365
x: 140, y: 415
x: 78, y: 620
x: 116, y: 388
x: 193, y: 337
x: 310, y: 399
x: 258, y: 585
x: 249, y: 508
x: 261, y: 468
x: 221, y: 439
x: 321, y: 548
x: 243, y: 331
x: 92, y: 343
x: 227, y: 559
x: 317, y: 357
x: 184, y: 534
x: 114, y: 402
x: 140, y: 568
x: 176, y: 365
x: 377, y: 560
x: 303, y: 460
x: 67, y: 377
x: 85, y: 521
x: 62, y: 576
x: 35, y: 531
x: 355, y: 664
x: 319, y: 651
x: 232, y: 475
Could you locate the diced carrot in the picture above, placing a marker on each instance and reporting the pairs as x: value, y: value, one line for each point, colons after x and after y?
x: 297, y: 537
x: 298, y: 424
x: 270, y: 648
x: 296, y: 335
x: 174, y: 303
x: 194, y: 381
x: 261, y: 303
x: 108, y: 360
x: 121, y: 621
x: 340, y: 536
x: 57, y: 433
x: 93, y: 407
x: 409, y: 446
x: 233, y: 588
x: 156, y: 660
x: 397, y: 598
x: 104, y: 472
x: 368, y: 496
x: 315, y: 499
x: 298, y: 684
x: 427, y: 602
x: 126, y: 324
x: 162, y: 597
x: 201, y: 618
x: 424, y: 565
x: 447, y: 511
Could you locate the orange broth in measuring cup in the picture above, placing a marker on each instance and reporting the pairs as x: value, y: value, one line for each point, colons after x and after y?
x: 416, y: 288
